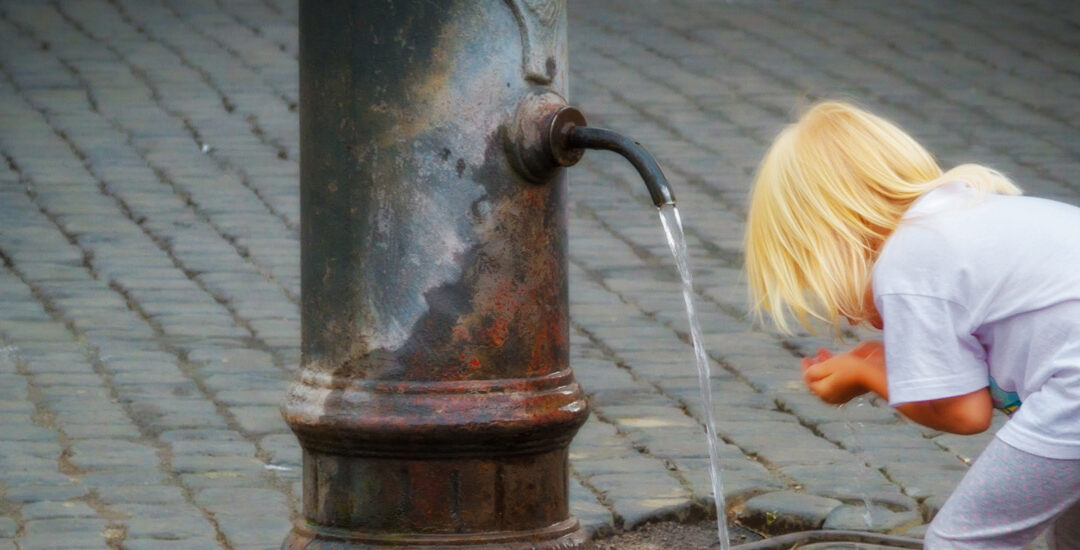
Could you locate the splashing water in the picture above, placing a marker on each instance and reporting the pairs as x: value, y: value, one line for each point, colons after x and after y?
x: 853, y: 429
x: 669, y: 218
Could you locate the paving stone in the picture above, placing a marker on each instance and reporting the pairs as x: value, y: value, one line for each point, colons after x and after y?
x: 200, y: 434
x: 635, y: 513
x: 96, y: 454
x: 918, y: 531
x: 967, y: 448
x: 195, y: 543
x: 740, y: 479
x: 256, y: 531
x: 786, y: 511
x: 123, y: 477
x: 163, y: 521
x: 102, y: 431
x: 813, y: 411
x: 222, y: 478
x: 842, y: 481
x: 32, y: 471
x: 238, y: 501
x: 78, y: 540
x: 678, y: 443
x: 66, y: 509
x: 260, y: 419
x: 28, y: 432
x: 272, y: 398
x: 204, y: 447
x: 8, y: 528
x: 141, y: 494
x: 184, y: 464
x: 585, y: 506
x: 853, y: 517
x: 43, y: 492
x: 932, y: 504
x: 634, y: 506
x: 83, y: 526
x: 284, y: 449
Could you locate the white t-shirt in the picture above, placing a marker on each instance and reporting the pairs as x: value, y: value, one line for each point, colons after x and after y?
x: 972, y: 287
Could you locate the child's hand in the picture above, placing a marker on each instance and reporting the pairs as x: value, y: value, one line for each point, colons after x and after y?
x: 839, y: 378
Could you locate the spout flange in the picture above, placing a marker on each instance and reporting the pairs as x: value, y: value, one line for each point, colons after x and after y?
x: 537, y: 140
x: 557, y: 142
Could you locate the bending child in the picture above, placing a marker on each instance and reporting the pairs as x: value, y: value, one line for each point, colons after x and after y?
x: 976, y: 291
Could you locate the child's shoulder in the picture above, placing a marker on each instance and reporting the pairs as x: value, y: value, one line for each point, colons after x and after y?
x: 923, y: 256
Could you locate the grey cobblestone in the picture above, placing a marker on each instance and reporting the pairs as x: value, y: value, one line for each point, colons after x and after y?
x: 852, y: 517
x: 8, y: 528
x: 150, y: 281
x: 785, y: 512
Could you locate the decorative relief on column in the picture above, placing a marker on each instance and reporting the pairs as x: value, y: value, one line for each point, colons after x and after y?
x: 540, y: 22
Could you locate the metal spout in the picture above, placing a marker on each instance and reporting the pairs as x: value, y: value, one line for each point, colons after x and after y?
x: 584, y: 137
x: 547, y: 134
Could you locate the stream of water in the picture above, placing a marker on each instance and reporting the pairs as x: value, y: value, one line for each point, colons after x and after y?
x: 669, y: 218
x: 854, y: 428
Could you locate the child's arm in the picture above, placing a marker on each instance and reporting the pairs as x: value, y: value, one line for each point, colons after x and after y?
x: 838, y: 379
x: 962, y: 414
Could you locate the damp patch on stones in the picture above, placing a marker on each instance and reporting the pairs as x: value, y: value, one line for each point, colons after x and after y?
x: 671, y: 535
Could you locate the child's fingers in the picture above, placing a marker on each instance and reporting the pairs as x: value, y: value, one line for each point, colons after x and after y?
x: 823, y: 354
x: 814, y: 373
x: 822, y: 389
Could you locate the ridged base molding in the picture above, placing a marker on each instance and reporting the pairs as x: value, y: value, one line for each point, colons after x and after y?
x: 565, y: 535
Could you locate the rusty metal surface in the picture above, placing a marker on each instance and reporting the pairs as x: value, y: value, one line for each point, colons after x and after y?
x: 435, y: 400
x: 451, y: 419
x: 394, y: 253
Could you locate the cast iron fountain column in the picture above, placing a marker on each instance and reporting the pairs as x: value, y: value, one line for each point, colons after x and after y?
x: 434, y: 402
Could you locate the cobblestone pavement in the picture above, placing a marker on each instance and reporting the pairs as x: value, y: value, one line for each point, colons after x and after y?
x: 150, y: 281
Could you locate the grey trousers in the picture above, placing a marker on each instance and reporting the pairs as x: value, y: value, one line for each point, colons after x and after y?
x: 1006, y: 499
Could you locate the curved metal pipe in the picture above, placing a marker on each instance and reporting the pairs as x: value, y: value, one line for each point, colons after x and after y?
x: 795, y: 540
x: 585, y: 137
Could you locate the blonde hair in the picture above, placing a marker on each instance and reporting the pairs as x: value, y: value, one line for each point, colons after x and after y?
x: 830, y: 190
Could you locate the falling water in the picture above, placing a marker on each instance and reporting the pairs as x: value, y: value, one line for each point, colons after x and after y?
x: 853, y: 429
x: 669, y: 217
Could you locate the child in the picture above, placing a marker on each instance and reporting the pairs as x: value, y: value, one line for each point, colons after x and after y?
x: 974, y: 288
